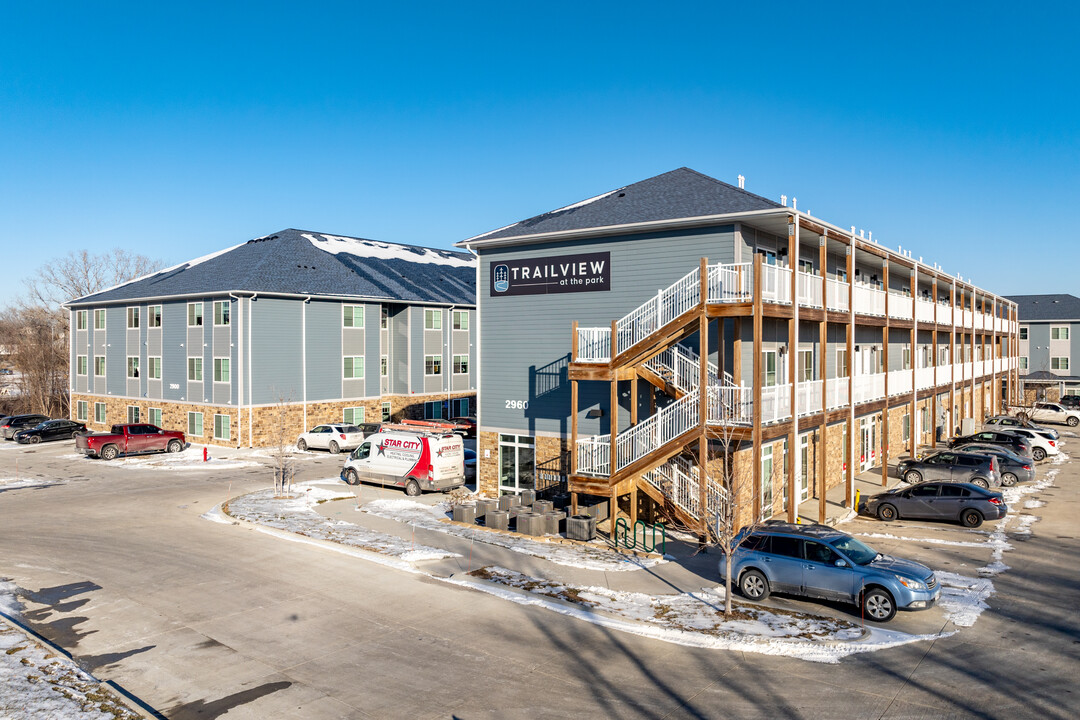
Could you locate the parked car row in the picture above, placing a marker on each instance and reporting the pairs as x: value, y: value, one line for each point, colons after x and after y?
x: 336, y: 437
x: 34, y: 428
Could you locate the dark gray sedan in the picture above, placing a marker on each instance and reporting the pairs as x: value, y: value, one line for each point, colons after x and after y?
x: 1014, y: 468
x: 952, y: 466
x: 965, y: 503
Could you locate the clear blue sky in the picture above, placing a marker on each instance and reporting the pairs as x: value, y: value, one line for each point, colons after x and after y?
x: 179, y: 129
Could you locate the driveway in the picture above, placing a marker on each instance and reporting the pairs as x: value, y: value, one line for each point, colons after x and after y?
x: 198, y: 619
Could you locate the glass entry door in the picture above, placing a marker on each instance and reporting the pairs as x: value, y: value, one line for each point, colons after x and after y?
x: 517, y: 464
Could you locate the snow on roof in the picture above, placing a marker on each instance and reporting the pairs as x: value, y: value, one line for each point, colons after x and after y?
x: 387, y: 251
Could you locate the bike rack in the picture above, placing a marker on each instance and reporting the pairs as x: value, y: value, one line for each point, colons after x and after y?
x: 629, y: 540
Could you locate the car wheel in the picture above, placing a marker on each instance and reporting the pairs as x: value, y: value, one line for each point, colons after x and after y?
x: 412, y: 488
x: 351, y: 477
x: 1038, y: 454
x: 754, y: 585
x: 886, y: 512
x: 1008, y: 479
x: 109, y: 452
x: 1072, y: 421
x: 971, y: 518
x: 334, y: 448
x: 913, y: 476
x: 174, y: 446
x: 878, y: 604
x: 75, y: 435
x: 301, y: 444
x: 981, y: 482
x: 35, y: 439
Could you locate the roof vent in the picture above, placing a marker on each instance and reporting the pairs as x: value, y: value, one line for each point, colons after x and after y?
x: 742, y: 183
x: 783, y: 200
x: 794, y: 203
x: 622, y: 194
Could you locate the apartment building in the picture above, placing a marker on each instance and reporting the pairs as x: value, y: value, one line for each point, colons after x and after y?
x: 681, y: 322
x: 288, y: 330
x: 1048, y: 334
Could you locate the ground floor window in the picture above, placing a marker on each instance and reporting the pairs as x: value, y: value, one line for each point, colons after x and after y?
x: 1059, y: 363
x: 353, y: 415
x: 194, y: 424
x: 517, y: 463
x: 459, y: 407
x: 1072, y: 391
x: 99, y: 412
x: 906, y: 427
x: 386, y: 412
x: 81, y: 409
x: 433, y: 410
x: 133, y: 414
x: 222, y: 427
x: 155, y: 416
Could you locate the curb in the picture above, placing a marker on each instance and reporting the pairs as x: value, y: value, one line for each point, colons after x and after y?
x: 553, y: 539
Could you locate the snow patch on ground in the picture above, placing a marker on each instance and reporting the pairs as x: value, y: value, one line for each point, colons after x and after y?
x: 692, y: 619
x: 1026, y: 521
x: 1031, y: 504
x: 963, y: 598
x: 579, y: 556
x: 10, y: 483
x: 296, y: 514
x: 37, y: 683
x: 931, y: 541
x: 189, y: 459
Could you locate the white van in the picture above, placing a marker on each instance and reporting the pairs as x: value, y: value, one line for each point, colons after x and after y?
x: 414, y: 461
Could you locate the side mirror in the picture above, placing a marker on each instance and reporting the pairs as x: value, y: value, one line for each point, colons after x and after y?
x: 840, y: 564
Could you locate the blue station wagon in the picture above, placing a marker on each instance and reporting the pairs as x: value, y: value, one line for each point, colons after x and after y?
x: 822, y: 562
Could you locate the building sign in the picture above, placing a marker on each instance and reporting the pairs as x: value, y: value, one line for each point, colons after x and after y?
x: 588, y: 272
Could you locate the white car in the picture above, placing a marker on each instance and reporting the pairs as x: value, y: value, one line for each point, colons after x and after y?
x: 1048, y: 412
x: 334, y: 437
x: 1041, y: 445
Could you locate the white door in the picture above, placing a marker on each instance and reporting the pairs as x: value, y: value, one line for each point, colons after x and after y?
x: 866, y: 444
x: 802, y: 478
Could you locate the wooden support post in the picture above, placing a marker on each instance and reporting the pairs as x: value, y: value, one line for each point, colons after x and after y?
x: 703, y: 410
x: 756, y: 385
x: 820, y: 483
x: 633, y: 506
x: 887, y: 335
x: 736, y: 351
x: 849, y: 461
x: 793, y: 366
x: 573, y: 416
x: 634, y: 400
x: 613, y: 421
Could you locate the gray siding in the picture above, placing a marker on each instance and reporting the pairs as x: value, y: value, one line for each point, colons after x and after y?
x: 275, y: 347
x: 400, y: 380
x: 526, y: 344
x: 372, y: 350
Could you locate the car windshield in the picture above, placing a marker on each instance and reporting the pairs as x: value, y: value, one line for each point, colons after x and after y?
x: 859, y: 552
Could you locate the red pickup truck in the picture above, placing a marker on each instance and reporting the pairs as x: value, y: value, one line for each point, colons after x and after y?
x: 129, y: 439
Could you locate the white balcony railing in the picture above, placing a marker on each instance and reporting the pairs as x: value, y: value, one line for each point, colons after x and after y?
x: 900, y: 306
x: 776, y: 284
x: 731, y: 283
x: 836, y: 393
x: 924, y: 378
x: 809, y: 289
x: 869, y: 387
x: 810, y: 396
x: 658, y: 430
x: 730, y: 405
x: 924, y: 311
x: 594, y: 455
x: 869, y: 301
x: 775, y: 403
x: 594, y: 345
x: 899, y: 382
x: 836, y: 295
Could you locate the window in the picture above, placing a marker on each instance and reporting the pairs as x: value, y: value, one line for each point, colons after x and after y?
x: 99, y: 319
x: 80, y: 365
x: 99, y: 412
x: 433, y: 319
x: 353, y: 415
x: 354, y: 368
x: 433, y: 410
x: 132, y: 414
x: 132, y: 318
x: 386, y: 412
x: 99, y: 365
x: 222, y: 310
x: 80, y: 319
x: 133, y: 367
x: 768, y: 368
x: 766, y: 481
x: 906, y: 427
x: 353, y: 316
x: 461, y: 364
x: 517, y: 463
x: 1059, y: 363
x: 221, y: 370
x: 841, y: 363
x: 154, y: 368
x: 153, y: 316
x: 194, y: 370
x: 194, y: 424
x: 1023, y: 362
x: 81, y: 409
x: 906, y: 361
x: 806, y: 365
x: 155, y: 416
x: 222, y: 429
x: 384, y: 366
x: 1059, y: 333
x: 461, y: 320
x: 806, y: 266
x: 194, y: 314
x: 924, y: 419
x: 1023, y: 332
x: 433, y: 364
x: 384, y: 317
x: 459, y: 407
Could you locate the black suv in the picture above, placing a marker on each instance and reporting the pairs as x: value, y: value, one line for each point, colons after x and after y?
x: 1072, y: 402
x: 952, y: 466
x: 15, y: 423
x: 1017, y: 444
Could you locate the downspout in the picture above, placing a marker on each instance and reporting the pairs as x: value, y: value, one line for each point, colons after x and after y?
x: 251, y: 411
x: 475, y: 361
x: 303, y: 356
x: 450, y: 357
x: 239, y: 365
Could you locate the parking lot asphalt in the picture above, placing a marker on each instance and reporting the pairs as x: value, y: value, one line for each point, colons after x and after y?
x: 199, y: 619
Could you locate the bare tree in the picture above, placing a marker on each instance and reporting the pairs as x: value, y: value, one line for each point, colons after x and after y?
x: 281, y: 447
x: 36, y: 341
x: 81, y: 273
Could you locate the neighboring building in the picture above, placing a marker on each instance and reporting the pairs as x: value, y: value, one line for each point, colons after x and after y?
x: 1048, y: 333
x: 870, y: 368
x: 288, y: 330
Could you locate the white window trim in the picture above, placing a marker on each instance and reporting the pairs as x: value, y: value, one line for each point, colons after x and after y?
x: 81, y: 318
x: 363, y: 414
x: 202, y: 374
x: 228, y: 360
x: 228, y: 419
x: 386, y: 409
x: 104, y: 412
x: 104, y: 319
x: 202, y: 314
x: 438, y: 374
x: 354, y: 326
x: 454, y: 320
x: 363, y: 367
x: 384, y: 366
x: 104, y: 366
x: 202, y: 425
x: 150, y: 367
x: 82, y: 410
x: 150, y: 416
x: 150, y: 315
x: 137, y: 414
x: 127, y: 367
x: 138, y: 319
x: 437, y: 317
x: 85, y: 363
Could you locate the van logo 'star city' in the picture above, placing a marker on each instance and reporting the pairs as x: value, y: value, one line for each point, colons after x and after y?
x: 588, y: 272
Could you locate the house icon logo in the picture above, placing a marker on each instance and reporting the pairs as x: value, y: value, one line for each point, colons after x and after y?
x: 502, y: 278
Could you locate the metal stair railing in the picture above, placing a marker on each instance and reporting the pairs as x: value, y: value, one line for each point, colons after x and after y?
x: 678, y: 479
x: 666, y: 425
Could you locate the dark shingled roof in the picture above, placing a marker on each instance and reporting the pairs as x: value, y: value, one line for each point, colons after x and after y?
x: 1033, y: 308
x: 681, y: 193
x: 304, y: 263
x: 1046, y: 375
